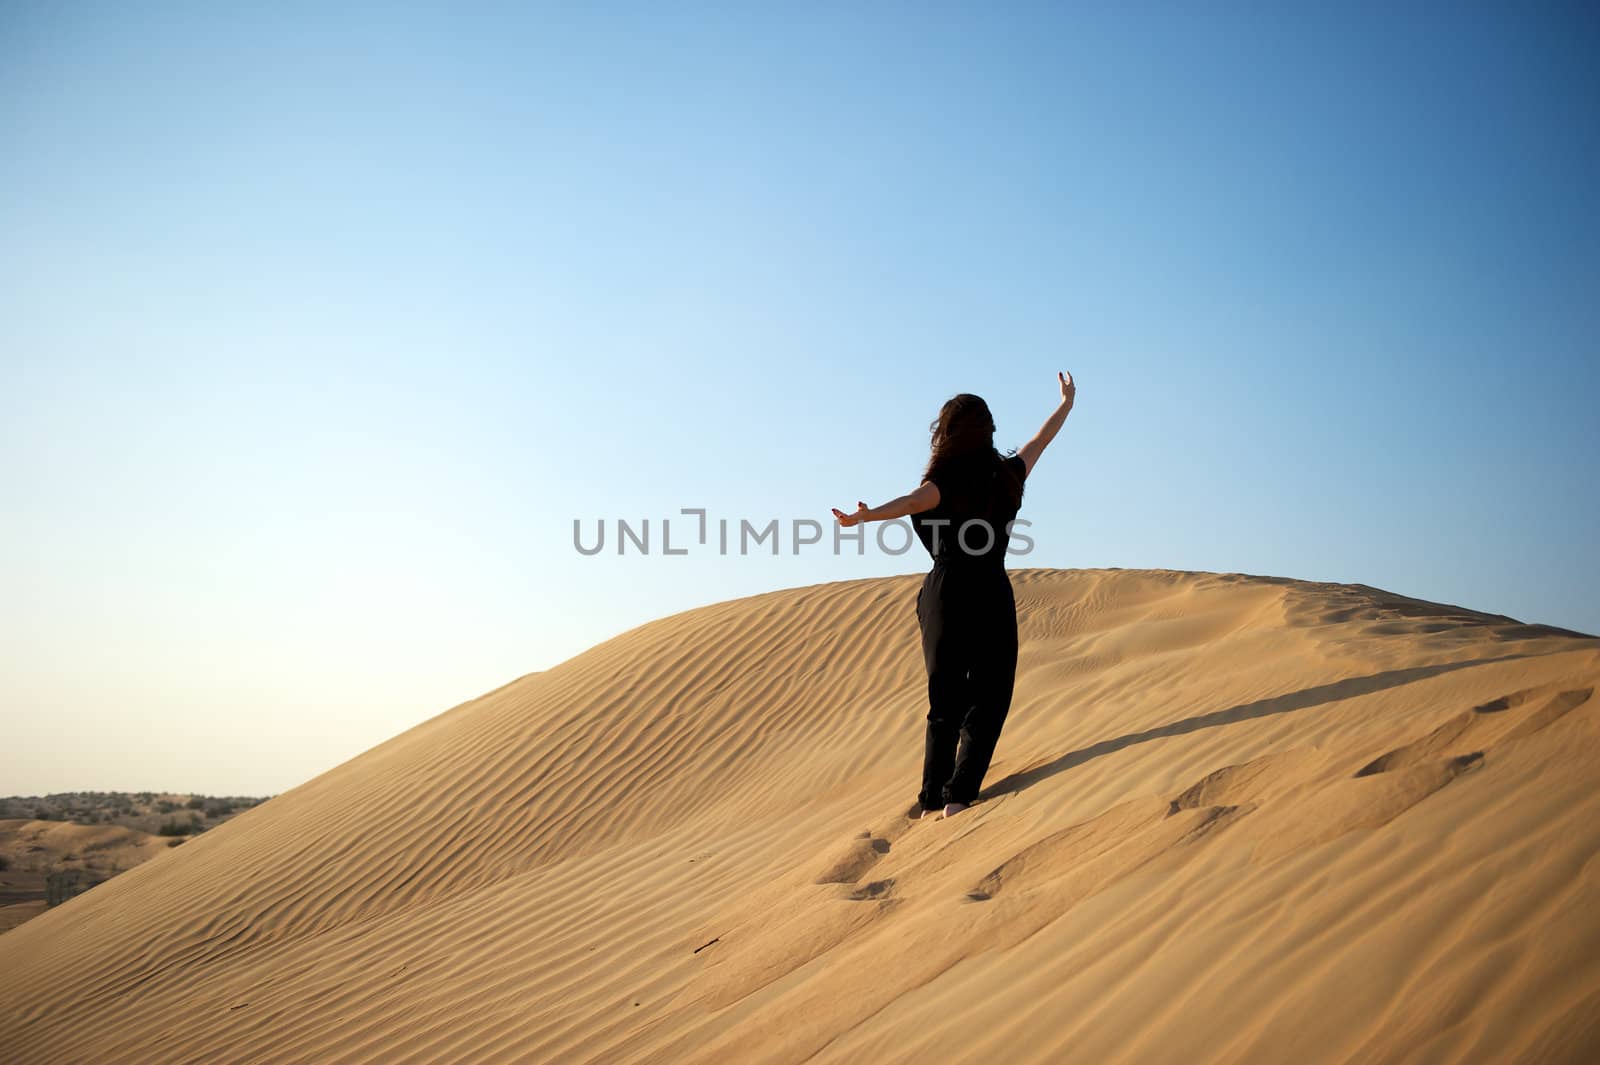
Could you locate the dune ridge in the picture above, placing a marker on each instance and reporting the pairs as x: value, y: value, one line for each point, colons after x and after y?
x: 1232, y: 818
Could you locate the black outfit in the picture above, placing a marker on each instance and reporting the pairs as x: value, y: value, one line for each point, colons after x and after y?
x: 968, y: 617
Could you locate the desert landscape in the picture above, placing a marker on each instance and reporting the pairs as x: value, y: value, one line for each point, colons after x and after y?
x: 1232, y: 818
x: 53, y: 847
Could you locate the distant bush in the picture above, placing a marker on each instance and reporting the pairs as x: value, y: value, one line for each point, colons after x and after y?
x: 221, y: 808
x: 43, y: 813
x: 174, y: 827
x: 175, y: 842
x: 5, y: 863
x: 60, y: 885
x: 166, y: 806
x: 196, y: 803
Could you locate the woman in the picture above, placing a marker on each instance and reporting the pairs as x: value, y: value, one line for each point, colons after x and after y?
x: 962, y: 513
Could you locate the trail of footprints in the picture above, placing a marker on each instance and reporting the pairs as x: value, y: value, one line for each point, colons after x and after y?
x: 1289, y: 800
x: 1317, y: 806
x: 1114, y: 844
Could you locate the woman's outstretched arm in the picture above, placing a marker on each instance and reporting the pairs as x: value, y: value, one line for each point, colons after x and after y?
x: 926, y: 497
x: 1031, y: 451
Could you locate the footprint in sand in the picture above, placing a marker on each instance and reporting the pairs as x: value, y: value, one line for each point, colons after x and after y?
x: 1347, y: 804
x: 1253, y: 782
x: 1088, y: 857
x: 1510, y: 717
x: 790, y: 921
x: 851, y: 862
x: 877, y: 889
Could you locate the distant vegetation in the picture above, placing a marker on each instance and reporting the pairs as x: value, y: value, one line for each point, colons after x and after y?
x: 37, y: 873
x: 183, y: 828
x: 131, y: 809
x: 61, y: 885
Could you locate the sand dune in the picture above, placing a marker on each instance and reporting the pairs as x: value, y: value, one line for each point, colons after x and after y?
x: 1231, y: 819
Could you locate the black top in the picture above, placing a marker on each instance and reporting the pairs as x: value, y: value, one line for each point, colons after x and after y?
x: 969, y: 527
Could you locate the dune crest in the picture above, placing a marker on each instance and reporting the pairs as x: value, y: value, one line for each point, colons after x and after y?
x: 1231, y: 819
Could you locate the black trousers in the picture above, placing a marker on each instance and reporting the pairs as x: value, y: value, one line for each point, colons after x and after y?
x: 969, y: 644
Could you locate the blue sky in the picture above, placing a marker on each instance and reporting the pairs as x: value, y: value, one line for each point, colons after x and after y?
x: 318, y: 330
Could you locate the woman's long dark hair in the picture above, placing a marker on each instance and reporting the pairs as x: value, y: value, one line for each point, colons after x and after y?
x: 966, y: 428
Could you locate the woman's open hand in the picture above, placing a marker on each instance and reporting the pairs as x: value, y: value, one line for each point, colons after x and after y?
x: 851, y: 519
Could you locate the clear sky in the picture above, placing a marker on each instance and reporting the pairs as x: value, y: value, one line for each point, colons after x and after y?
x: 318, y: 330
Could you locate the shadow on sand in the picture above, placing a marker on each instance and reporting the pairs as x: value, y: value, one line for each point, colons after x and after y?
x: 1304, y: 699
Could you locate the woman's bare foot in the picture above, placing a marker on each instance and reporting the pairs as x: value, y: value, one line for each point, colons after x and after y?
x: 953, y: 808
x: 929, y: 815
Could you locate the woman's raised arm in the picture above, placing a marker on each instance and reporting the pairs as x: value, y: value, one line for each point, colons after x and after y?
x: 925, y: 497
x: 1031, y: 451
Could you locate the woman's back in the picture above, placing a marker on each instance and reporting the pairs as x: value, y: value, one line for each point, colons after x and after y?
x: 977, y: 502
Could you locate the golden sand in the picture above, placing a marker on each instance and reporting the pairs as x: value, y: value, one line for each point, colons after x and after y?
x: 1231, y: 819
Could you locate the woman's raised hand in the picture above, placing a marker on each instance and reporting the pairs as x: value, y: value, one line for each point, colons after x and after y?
x: 851, y: 519
x: 1069, y: 391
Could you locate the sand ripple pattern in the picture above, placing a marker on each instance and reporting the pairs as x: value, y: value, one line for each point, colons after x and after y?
x: 1233, y: 818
